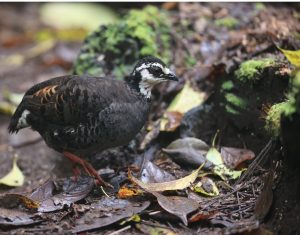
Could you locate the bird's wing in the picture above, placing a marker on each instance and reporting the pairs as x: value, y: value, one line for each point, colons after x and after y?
x: 71, y: 99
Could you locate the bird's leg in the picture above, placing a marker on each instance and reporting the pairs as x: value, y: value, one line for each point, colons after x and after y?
x: 76, y: 171
x: 87, y: 167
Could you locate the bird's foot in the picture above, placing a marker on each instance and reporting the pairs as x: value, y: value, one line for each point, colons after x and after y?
x: 88, y: 168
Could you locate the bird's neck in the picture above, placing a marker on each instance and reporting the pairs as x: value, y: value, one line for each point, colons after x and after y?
x: 142, y: 87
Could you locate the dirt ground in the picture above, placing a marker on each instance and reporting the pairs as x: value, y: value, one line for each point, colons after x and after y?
x: 38, y: 162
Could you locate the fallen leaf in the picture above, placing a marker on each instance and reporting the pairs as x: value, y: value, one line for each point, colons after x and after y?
x: 233, y: 157
x: 12, y: 97
x: 292, y: 56
x: 17, y: 218
x: 265, y: 199
x: 51, y: 196
x: 154, y: 174
x: 72, y: 191
x: 152, y: 230
x: 188, y: 151
x: 43, y: 192
x: 15, y: 177
x: 77, y: 15
x: 207, y: 187
x: 125, y: 192
x: 202, y: 215
x: 66, y: 34
x: 170, y: 121
x: 108, y: 211
x: 7, y: 108
x: 135, y: 218
x: 179, y: 206
x: 219, y: 168
x: 165, y: 186
x: 185, y: 100
x: 14, y: 200
x: 38, y: 49
x: 214, y: 156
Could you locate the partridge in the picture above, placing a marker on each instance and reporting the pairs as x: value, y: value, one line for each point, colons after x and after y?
x: 82, y: 115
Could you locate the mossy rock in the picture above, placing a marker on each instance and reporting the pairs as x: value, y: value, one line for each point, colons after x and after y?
x: 113, y: 49
x: 290, y: 122
x: 245, y: 92
x: 286, y: 110
x: 251, y: 70
x: 293, y: 97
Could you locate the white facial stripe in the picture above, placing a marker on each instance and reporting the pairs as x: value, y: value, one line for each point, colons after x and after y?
x: 166, y: 70
x: 147, y: 82
x: 145, y: 66
x: 146, y: 75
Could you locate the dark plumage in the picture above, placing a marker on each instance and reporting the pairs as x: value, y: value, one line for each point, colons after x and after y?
x: 84, y: 115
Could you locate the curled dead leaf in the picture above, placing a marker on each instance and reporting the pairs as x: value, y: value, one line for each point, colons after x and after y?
x: 188, y: 151
x: 233, y: 157
x: 165, y: 186
x: 179, y: 206
x: 154, y: 174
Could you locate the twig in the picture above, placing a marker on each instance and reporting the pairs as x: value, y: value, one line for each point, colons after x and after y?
x: 239, y: 204
x: 260, y: 157
x: 120, y: 230
x: 154, y: 224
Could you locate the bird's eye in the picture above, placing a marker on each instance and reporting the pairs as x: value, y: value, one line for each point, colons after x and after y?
x: 156, y: 69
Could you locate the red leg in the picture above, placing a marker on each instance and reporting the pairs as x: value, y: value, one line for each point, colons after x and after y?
x: 89, y: 169
x: 76, y: 171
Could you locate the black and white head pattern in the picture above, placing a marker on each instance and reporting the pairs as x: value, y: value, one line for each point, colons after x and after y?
x: 151, y: 71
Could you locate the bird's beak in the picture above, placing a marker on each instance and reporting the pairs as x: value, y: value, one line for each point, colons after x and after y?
x: 171, y: 76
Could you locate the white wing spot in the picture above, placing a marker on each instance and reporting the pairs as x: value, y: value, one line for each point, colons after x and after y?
x: 22, y: 122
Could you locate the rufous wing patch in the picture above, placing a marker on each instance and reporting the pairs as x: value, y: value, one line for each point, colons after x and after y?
x: 46, y: 93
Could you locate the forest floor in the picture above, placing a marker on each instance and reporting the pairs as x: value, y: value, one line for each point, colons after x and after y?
x: 251, y: 30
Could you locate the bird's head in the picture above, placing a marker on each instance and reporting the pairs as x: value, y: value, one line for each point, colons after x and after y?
x: 150, y: 71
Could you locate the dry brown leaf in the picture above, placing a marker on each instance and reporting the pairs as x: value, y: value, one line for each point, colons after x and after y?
x: 171, y: 185
x: 233, y: 157
x: 179, y: 206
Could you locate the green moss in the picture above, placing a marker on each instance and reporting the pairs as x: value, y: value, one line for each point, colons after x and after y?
x: 228, y: 22
x: 227, y: 85
x: 272, y: 124
x: 259, y: 6
x: 293, y: 97
x: 236, y: 101
x: 137, y: 34
x: 231, y: 110
x: 190, y: 61
x: 286, y: 109
x: 251, y: 69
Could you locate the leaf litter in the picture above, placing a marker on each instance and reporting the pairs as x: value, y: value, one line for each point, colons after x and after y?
x: 15, y: 177
x: 230, y: 210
